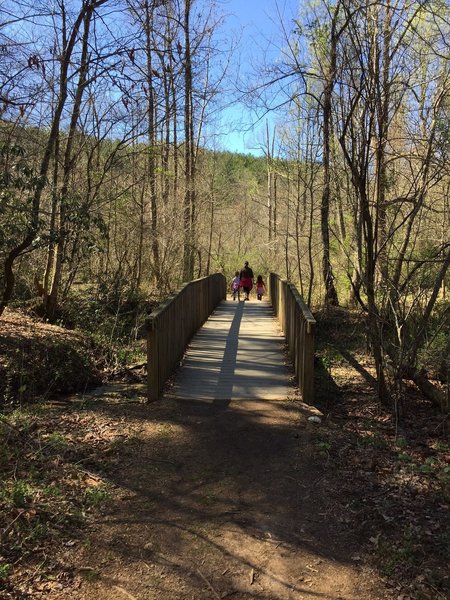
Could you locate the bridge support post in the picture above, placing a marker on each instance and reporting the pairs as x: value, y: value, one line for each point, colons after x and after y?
x: 152, y: 363
x: 308, y: 373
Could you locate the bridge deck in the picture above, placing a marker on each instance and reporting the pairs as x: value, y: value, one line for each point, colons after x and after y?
x: 237, y: 355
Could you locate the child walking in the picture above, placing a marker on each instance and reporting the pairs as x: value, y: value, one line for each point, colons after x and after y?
x: 260, y: 287
x: 236, y: 286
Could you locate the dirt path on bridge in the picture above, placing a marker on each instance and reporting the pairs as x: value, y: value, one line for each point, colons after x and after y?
x: 212, y: 502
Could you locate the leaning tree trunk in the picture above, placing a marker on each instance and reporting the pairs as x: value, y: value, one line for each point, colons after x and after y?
x: 69, y: 161
x: 33, y: 224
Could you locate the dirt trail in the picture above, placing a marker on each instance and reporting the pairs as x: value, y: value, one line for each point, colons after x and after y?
x: 216, y: 501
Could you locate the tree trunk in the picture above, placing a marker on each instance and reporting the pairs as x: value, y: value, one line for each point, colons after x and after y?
x: 430, y: 391
x: 51, y: 307
x: 331, y: 297
x: 383, y: 103
x: 189, y: 197
x: 46, y: 158
x: 269, y: 185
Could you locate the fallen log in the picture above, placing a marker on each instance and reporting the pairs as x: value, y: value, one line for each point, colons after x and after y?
x: 428, y: 389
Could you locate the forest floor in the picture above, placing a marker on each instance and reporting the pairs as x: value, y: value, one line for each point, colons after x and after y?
x: 108, y: 497
x: 40, y: 360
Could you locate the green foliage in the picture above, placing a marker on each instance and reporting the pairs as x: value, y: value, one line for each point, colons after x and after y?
x: 234, y: 168
x: 401, y: 442
x: 111, y: 334
x: 371, y: 441
x: 85, y: 230
x: 19, y: 495
x: 406, y: 551
x: 112, y: 321
x: 96, y: 496
x: 46, y: 366
x: 56, y: 441
x: 433, y: 466
x: 5, y: 569
x: 324, y: 446
x: 43, y: 498
x: 17, y: 183
x: 53, y: 491
x: 403, y: 457
x: 434, y: 354
x: 428, y: 465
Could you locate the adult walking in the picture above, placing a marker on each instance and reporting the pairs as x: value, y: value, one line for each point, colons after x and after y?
x: 246, y: 276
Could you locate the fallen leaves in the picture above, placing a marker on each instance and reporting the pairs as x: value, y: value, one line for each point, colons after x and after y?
x: 392, y: 482
x: 48, y: 494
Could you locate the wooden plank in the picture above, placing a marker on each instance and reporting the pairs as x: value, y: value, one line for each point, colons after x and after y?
x: 298, y: 324
x: 172, y: 324
x: 238, y: 354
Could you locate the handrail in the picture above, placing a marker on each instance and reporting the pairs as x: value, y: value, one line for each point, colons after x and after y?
x: 173, y: 323
x: 298, y: 326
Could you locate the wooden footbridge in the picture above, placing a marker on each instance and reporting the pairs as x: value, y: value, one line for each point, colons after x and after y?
x: 230, y: 350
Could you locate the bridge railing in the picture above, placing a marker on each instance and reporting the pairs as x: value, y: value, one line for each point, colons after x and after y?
x: 298, y: 325
x: 174, y: 322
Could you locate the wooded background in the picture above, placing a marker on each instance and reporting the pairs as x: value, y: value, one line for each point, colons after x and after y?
x: 111, y: 188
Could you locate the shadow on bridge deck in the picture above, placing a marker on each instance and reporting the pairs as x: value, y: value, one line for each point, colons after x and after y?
x: 238, y: 354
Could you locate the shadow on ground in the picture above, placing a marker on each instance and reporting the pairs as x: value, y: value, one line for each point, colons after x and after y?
x: 227, y: 490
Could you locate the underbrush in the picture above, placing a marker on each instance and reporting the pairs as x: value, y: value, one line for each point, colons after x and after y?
x: 47, y: 495
x: 38, y: 360
x: 118, y: 320
x: 392, y: 471
x: 115, y: 325
x: 46, y: 500
x: 92, y: 341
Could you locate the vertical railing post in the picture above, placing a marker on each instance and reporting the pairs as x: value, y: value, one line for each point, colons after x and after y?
x: 152, y: 361
x: 282, y: 304
x: 293, y: 319
x: 308, y: 377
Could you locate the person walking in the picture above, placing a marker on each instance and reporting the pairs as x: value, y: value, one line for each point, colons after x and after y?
x: 260, y: 287
x: 246, y: 276
x: 236, y: 286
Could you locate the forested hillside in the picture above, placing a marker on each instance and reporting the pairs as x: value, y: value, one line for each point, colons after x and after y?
x: 115, y: 189
x: 107, y: 183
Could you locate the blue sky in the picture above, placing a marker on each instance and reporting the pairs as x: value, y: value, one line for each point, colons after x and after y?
x: 256, y: 23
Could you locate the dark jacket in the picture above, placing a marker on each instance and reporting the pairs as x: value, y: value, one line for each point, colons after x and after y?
x: 246, y: 273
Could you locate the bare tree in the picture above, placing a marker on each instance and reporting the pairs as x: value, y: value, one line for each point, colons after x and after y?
x: 72, y: 36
